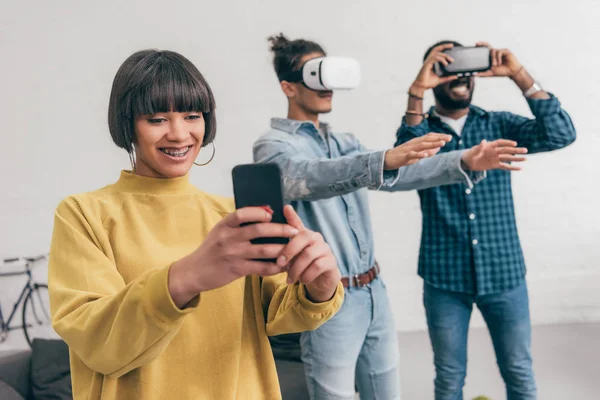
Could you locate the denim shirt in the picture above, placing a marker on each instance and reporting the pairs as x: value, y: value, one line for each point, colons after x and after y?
x: 326, y: 177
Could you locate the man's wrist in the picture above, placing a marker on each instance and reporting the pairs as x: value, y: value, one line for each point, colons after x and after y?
x: 522, y: 79
x: 388, y: 160
x: 465, y: 161
x: 385, y: 160
x: 416, y: 90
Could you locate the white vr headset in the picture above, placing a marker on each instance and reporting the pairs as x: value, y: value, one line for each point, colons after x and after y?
x: 327, y: 73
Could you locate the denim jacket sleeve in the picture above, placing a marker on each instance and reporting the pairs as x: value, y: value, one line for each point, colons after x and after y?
x: 306, y: 178
x: 442, y: 169
x: 450, y: 162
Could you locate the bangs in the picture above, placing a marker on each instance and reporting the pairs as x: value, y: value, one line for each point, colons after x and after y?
x: 170, y: 86
x: 154, y: 81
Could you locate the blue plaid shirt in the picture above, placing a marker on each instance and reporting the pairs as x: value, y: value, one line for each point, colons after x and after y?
x: 470, y: 242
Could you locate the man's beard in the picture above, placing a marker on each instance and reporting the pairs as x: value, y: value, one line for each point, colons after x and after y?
x: 451, y: 104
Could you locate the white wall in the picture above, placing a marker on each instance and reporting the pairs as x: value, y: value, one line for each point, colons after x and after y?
x: 58, y: 60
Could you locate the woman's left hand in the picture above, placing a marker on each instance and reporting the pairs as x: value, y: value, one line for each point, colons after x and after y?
x: 309, y: 260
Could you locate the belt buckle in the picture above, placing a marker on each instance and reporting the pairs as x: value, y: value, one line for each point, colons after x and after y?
x: 357, y: 281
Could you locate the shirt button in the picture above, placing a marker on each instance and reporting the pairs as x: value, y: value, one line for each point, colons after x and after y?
x: 475, y: 242
x: 468, y: 191
x: 460, y: 141
x: 472, y: 216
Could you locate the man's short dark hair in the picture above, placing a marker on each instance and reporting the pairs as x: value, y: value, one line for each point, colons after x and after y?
x: 289, y: 52
x: 441, y: 42
x: 154, y: 81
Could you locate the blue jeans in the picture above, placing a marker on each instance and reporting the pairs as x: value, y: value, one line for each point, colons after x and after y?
x: 507, y: 317
x: 357, y: 348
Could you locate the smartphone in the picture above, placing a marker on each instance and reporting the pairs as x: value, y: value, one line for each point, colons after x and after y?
x: 258, y: 185
x: 467, y: 60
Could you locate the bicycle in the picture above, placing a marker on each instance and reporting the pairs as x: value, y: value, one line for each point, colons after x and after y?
x: 36, y: 321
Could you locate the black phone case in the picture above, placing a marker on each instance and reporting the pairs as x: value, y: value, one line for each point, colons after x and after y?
x: 441, y: 70
x: 260, y: 185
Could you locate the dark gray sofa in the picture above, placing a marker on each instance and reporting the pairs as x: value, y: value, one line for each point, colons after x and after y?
x: 41, y: 373
x: 15, y: 375
x: 291, y: 379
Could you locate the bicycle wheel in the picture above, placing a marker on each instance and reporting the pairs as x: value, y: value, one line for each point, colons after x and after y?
x: 36, y: 315
x: 3, y: 328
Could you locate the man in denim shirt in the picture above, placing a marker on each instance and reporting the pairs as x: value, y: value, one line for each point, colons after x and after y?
x: 326, y: 176
x: 470, y: 249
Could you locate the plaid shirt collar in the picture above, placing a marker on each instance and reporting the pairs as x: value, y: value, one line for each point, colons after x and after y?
x: 473, y: 110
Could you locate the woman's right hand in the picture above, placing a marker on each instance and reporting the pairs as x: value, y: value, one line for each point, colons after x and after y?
x: 227, y: 254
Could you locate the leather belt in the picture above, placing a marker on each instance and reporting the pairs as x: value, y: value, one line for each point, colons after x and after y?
x: 360, y: 280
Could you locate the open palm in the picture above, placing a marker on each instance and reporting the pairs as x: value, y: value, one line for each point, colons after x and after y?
x: 494, y: 155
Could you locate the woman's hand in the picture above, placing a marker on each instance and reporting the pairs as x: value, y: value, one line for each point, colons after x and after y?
x: 227, y: 254
x: 309, y: 260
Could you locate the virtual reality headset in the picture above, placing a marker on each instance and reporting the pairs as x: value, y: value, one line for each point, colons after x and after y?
x: 327, y: 73
x: 467, y: 61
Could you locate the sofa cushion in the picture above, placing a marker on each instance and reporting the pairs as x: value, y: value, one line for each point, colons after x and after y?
x: 286, y: 347
x: 291, y: 380
x: 50, y: 370
x: 15, y: 371
x: 8, y: 393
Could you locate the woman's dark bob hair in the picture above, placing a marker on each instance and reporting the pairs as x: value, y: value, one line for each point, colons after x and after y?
x: 154, y: 81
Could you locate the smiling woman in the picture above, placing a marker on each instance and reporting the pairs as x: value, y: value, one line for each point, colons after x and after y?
x: 154, y: 284
x: 172, y: 107
x: 167, y: 143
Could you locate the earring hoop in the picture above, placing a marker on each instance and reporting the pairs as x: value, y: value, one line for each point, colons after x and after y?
x: 132, y: 159
x: 211, y: 157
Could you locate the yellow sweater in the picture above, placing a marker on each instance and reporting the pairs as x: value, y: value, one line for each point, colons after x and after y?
x: 109, y: 261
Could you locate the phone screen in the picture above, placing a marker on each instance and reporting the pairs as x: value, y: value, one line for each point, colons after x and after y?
x: 258, y: 185
x: 466, y: 60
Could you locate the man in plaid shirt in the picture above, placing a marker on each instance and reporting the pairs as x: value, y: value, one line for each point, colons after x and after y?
x: 470, y: 250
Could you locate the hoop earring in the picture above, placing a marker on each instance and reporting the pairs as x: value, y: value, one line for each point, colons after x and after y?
x: 132, y: 159
x: 211, y: 157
